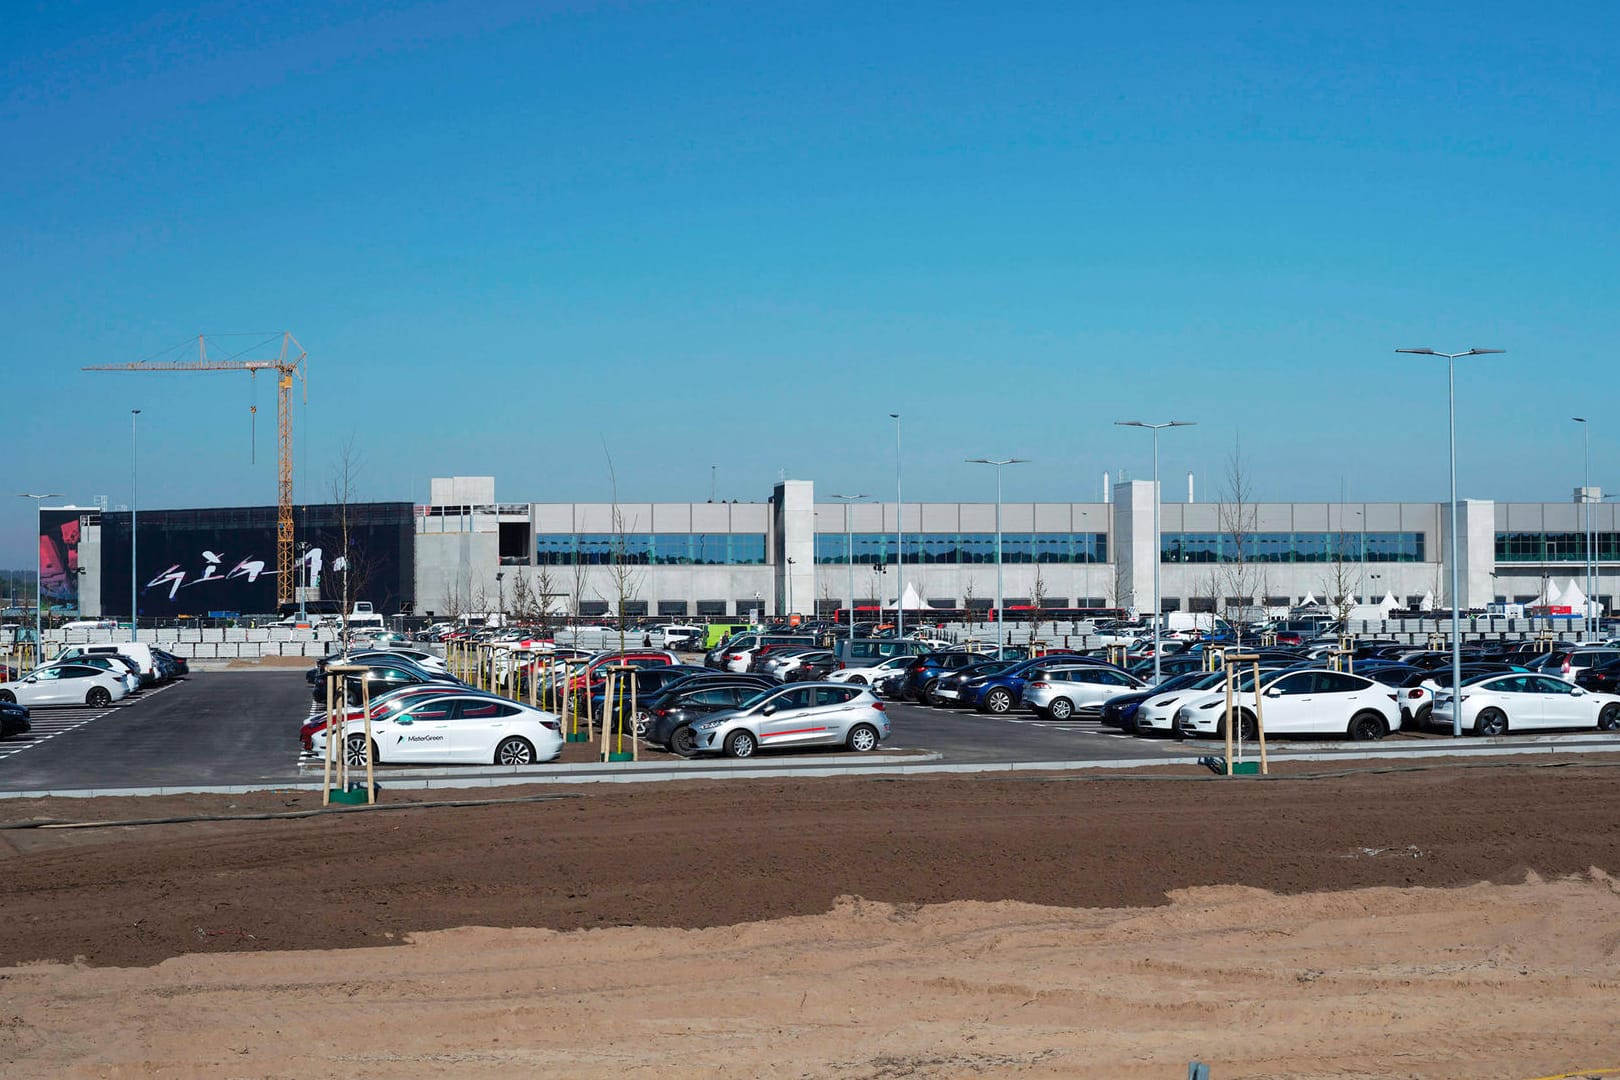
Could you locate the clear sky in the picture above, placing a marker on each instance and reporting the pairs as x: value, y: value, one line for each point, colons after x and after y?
x: 743, y: 234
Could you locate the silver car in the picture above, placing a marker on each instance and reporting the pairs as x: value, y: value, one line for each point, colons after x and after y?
x: 802, y: 714
x: 1059, y: 693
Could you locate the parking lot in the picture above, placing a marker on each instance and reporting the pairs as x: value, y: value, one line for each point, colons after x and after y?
x: 239, y: 728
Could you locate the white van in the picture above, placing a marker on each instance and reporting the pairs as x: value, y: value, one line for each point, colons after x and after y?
x: 138, y: 651
x: 682, y: 634
x: 91, y: 624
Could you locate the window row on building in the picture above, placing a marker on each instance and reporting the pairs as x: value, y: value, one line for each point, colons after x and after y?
x: 1554, y: 547
x: 965, y: 548
x: 650, y: 549
x: 1300, y: 547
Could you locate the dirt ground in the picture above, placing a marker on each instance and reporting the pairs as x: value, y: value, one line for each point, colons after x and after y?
x: 1439, y: 923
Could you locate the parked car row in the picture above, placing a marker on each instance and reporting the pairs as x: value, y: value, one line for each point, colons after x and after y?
x: 94, y: 675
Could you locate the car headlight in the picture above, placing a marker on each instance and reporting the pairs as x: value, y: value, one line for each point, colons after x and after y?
x: 1212, y: 705
x: 709, y: 725
x: 1162, y: 702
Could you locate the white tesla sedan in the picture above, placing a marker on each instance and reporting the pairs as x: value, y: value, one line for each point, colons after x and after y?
x: 66, y: 684
x: 1315, y: 702
x: 457, y: 727
x: 1522, y: 701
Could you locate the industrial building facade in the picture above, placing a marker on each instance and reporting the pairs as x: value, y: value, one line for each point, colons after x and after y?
x: 466, y: 552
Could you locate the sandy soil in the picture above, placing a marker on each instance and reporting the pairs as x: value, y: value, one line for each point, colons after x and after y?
x: 1447, y: 923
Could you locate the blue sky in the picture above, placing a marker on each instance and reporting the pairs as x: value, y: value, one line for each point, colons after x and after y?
x: 744, y: 234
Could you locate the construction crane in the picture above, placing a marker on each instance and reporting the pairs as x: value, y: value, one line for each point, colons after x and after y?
x: 287, y: 364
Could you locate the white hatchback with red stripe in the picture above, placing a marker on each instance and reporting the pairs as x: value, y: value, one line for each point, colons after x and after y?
x: 800, y: 714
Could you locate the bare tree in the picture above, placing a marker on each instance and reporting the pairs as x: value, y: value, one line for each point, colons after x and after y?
x: 1038, y: 599
x: 546, y: 594
x: 1121, y: 593
x: 623, y: 574
x: 1238, y: 578
x: 352, y: 563
x: 971, y: 614
x: 452, y: 597
x: 1336, y: 587
x: 521, y: 603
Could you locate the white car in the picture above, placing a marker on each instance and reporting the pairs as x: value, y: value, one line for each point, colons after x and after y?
x: 1158, y: 713
x: 1060, y: 692
x: 1315, y: 702
x: 882, y: 669
x: 456, y: 728
x: 1521, y: 701
x: 66, y: 684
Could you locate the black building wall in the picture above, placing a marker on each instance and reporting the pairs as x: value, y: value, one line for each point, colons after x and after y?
x: 192, y: 562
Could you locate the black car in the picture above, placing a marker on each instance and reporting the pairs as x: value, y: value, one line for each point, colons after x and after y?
x: 1117, y: 711
x: 13, y: 720
x: 676, y: 711
x: 649, y: 682
x: 951, y: 685
x: 815, y: 669
x: 1601, y: 680
x: 382, y: 676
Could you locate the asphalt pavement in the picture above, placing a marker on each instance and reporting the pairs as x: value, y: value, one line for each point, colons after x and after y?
x: 239, y: 728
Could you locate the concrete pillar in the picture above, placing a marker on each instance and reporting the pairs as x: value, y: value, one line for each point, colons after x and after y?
x: 1134, y: 543
x: 793, y: 504
x: 1476, y: 550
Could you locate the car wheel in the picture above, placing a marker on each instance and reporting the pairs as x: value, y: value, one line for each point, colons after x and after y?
x: 863, y: 738
x: 643, y: 720
x: 857, y: 680
x: 740, y: 744
x: 354, y: 752
x: 98, y: 697
x: 683, y: 741
x: 1609, y: 718
x: 1366, y: 727
x: 998, y: 702
x: 926, y: 696
x: 1248, y: 730
x: 1491, y: 723
x: 1060, y: 709
x: 1423, y: 715
x: 7, y: 696
x: 514, y: 751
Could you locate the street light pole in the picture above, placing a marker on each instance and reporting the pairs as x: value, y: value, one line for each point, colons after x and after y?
x: 1001, y: 614
x: 1587, y: 537
x: 849, y: 555
x: 39, y: 522
x: 899, y: 542
x: 134, y: 581
x: 1157, y: 542
x: 1456, y: 599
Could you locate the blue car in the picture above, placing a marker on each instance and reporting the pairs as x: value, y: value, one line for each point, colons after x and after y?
x: 1000, y: 693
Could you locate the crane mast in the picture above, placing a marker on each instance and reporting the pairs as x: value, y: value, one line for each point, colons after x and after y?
x: 287, y: 365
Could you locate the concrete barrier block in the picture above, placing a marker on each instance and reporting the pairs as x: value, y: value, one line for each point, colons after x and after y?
x: 227, y: 650
x: 213, y: 634
x: 235, y: 633
x: 203, y: 651
x: 190, y: 637
x: 258, y: 635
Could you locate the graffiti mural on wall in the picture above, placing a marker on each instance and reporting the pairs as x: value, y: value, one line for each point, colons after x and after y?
x: 59, y: 534
x: 201, y: 561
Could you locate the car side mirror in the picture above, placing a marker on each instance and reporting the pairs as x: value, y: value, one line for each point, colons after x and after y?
x: 405, y: 721
x: 1578, y: 692
x: 1274, y: 692
x: 767, y: 710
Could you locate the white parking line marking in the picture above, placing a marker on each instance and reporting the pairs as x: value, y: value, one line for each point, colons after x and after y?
x: 49, y: 721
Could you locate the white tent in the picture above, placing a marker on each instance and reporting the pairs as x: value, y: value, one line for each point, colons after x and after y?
x: 1309, y: 601
x: 1549, y: 596
x: 1574, y: 596
x: 911, y: 601
x: 1389, y: 603
x: 1427, y: 603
